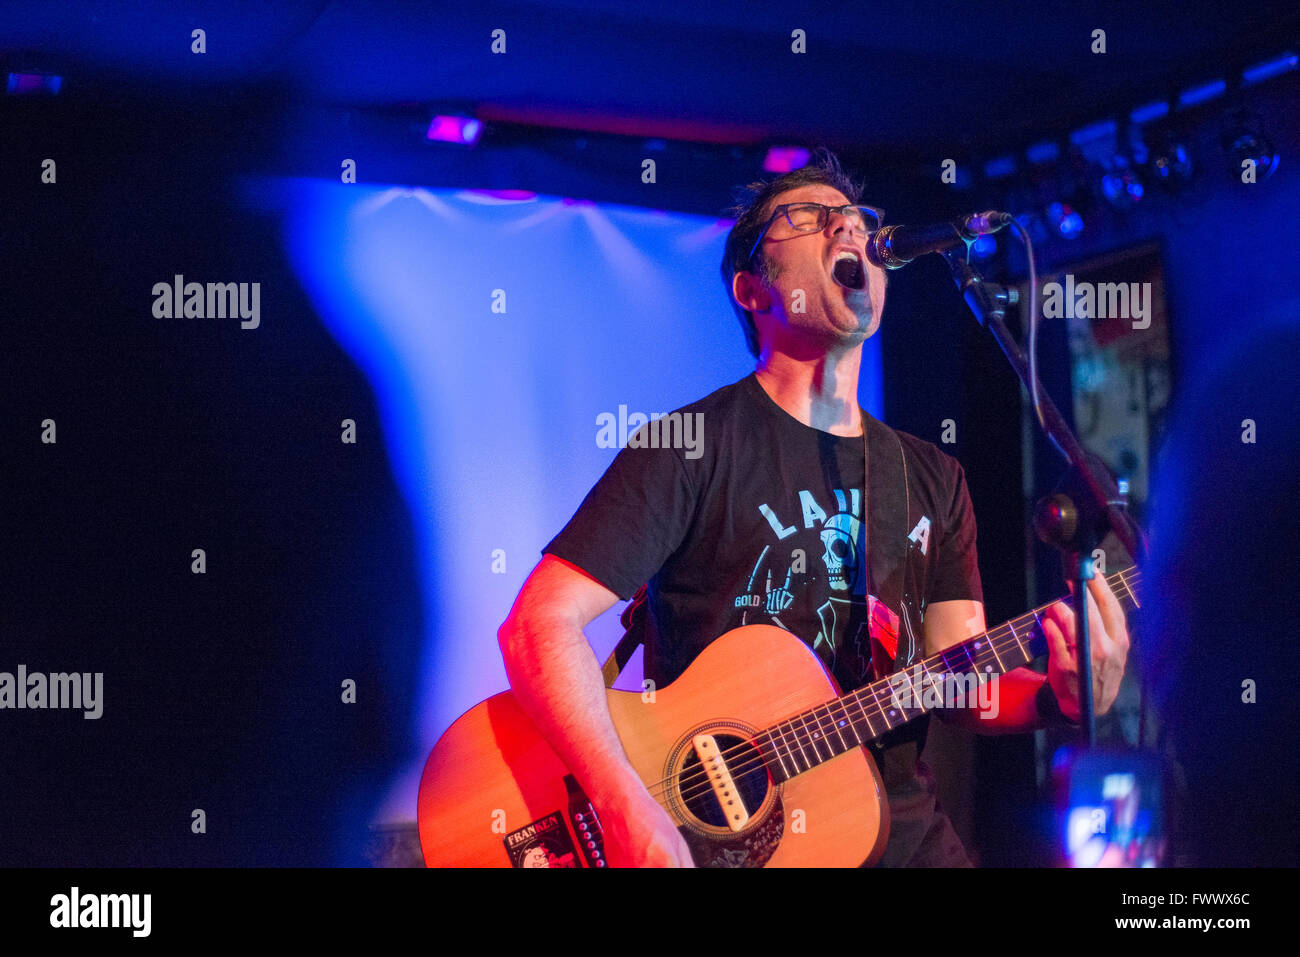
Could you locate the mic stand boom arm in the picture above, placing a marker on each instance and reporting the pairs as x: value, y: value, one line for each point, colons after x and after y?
x: 1087, y: 502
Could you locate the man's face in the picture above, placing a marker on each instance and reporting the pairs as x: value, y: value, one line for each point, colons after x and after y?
x: 805, y: 307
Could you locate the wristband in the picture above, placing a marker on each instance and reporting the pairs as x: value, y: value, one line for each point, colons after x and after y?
x: 1049, y: 709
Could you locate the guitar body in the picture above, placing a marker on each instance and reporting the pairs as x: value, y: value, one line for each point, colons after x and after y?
x: 494, y: 794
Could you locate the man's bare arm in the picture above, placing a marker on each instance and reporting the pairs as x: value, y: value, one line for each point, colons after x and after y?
x: 557, y: 681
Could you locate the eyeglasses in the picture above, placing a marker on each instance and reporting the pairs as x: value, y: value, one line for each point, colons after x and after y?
x: 813, y: 217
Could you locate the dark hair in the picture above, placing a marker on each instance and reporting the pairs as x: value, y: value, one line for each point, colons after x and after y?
x: 754, y: 204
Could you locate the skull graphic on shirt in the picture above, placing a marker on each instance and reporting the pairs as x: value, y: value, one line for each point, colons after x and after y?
x: 840, y: 550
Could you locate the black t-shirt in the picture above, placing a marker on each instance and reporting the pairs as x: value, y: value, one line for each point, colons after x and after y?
x: 747, y: 516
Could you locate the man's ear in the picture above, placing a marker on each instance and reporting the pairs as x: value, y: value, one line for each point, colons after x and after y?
x: 750, y: 292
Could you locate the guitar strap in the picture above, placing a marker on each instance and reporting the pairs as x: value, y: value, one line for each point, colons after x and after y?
x: 884, y: 639
x: 633, y: 621
x: 633, y: 618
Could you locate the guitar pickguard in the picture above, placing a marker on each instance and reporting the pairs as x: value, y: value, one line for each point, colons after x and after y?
x: 752, y: 847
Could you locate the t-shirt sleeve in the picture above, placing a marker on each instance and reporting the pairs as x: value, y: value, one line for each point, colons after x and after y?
x: 631, y: 521
x: 956, y: 574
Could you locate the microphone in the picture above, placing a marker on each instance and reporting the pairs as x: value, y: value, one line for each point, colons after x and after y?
x: 892, y: 247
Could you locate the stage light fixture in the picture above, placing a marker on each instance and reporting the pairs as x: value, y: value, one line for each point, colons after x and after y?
x: 33, y: 84
x: 1148, y: 112
x: 1043, y: 153
x: 1245, y: 141
x: 1255, y: 147
x: 1065, y: 219
x: 786, y: 159
x: 1269, y: 68
x: 496, y: 197
x: 1201, y: 94
x: 1121, y: 185
x: 1172, y: 165
x: 1000, y: 167
x: 463, y: 130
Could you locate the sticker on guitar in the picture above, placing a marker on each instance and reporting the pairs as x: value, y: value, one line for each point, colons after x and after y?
x: 543, y: 843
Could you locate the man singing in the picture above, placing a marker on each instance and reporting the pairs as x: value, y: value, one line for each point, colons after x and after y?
x: 770, y: 525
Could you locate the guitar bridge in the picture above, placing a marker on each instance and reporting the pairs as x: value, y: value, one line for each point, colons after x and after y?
x: 724, y: 788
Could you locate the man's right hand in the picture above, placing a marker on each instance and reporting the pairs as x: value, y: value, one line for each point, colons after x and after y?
x: 639, y: 833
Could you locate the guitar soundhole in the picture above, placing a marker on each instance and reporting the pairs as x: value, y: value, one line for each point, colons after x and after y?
x: 747, y: 771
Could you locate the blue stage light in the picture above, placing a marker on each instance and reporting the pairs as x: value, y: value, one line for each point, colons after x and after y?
x: 1121, y: 185
x: 999, y: 167
x: 33, y: 84
x: 1065, y: 220
x: 1269, y: 68
x: 983, y: 247
x: 1202, y: 93
x: 1149, y: 112
x: 1045, y: 152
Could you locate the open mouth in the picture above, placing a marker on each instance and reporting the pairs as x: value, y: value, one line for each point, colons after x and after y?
x: 848, y: 272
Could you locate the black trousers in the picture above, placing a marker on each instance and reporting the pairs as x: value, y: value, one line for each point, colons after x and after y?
x: 920, y: 833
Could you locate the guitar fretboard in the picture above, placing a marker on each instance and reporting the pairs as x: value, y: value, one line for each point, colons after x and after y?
x: 806, y: 740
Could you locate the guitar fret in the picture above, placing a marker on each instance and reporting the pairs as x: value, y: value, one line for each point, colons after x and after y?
x: 794, y: 754
x: 818, y: 736
x: 976, y: 644
x: 993, y: 648
x: 882, y: 711
x: 828, y: 731
x: 1039, y: 621
x: 852, y: 725
x: 806, y: 740
x: 779, y: 756
x: 826, y: 721
x: 1021, y: 646
x: 925, y: 671
x: 1007, y: 660
x: 866, y: 714
x: 797, y: 734
x: 897, y: 705
x: 803, y: 746
x: 896, y: 709
x: 835, y: 732
x: 838, y: 725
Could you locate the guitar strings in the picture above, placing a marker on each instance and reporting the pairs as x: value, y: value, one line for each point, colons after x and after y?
x: 690, y: 786
x: 781, y: 746
x: 689, y: 782
x: 802, y: 742
x: 780, y: 740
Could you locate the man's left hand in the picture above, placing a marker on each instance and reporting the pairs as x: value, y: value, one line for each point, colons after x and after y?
x: 1108, y: 637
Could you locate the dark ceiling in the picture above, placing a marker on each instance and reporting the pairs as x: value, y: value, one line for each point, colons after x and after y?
x: 914, y: 77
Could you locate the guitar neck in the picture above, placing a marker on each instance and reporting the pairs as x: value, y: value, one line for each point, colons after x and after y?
x: 806, y: 740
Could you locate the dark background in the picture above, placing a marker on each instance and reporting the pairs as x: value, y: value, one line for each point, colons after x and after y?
x: 226, y: 687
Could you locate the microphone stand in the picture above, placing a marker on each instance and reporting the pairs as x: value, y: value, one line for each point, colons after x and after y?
x: 1086, y: 502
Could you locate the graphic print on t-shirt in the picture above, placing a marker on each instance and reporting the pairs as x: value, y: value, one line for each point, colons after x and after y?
x: 816, y: 555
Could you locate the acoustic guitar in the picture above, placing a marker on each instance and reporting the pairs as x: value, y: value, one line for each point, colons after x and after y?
x: 760, y: 765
